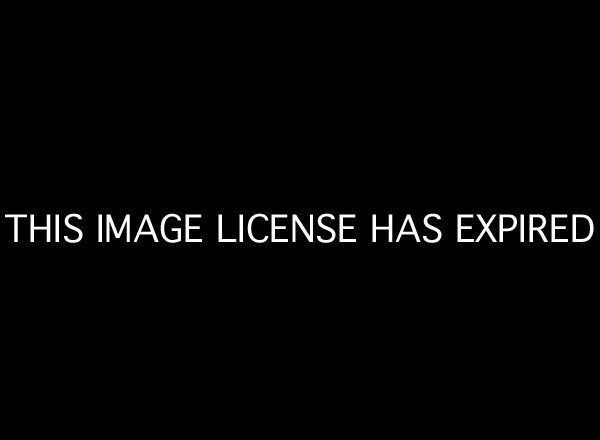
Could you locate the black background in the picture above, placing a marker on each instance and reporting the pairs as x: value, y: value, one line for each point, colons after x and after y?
x: 386, y: 112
